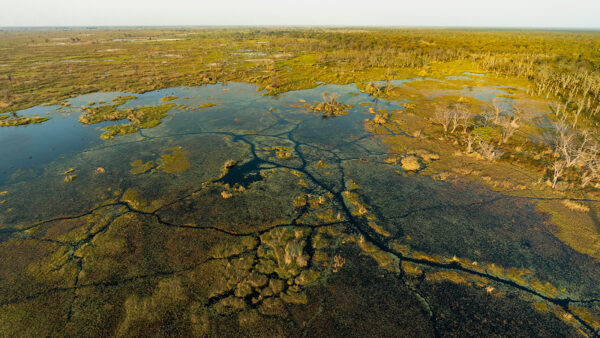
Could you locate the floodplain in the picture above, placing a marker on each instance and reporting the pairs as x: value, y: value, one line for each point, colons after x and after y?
x: 301, y: 182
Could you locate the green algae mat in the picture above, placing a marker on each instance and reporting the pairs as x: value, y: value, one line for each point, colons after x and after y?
x: 219, y: 211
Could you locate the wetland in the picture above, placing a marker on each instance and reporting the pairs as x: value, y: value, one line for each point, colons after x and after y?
x: 284, y: 198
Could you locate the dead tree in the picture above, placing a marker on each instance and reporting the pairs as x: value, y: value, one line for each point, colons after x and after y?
x: 470, y: 140
x: 460, y: 115
x: 495, y: 112
x: 565, y: 143
x: 590, y: 172
x: 591, y: 165
x: 509, y: 126
x: 558, y: 168
x: 489, y: 151
x: 443, y: 116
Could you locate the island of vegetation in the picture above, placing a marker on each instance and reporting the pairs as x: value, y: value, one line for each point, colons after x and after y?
x: 11, y: 120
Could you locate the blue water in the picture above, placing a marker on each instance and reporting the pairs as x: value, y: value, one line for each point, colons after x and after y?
x: 33, y: 146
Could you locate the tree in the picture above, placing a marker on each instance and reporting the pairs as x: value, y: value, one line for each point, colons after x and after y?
x: 470, y: 140
x: 489, y: 151
x: 590, y: 172
x: 494, y: 112
x: 558, y: 168
x: 591, y: 165
x: 575, y: 148
x: 565, y: 143
x: 329, y: 99
x: 460, y: 116
x: 509, y: 126
x: 443, y: 116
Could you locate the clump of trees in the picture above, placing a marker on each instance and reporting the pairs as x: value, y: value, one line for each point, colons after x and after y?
x: 329, y: 107
x: 575, y: 85
x: 453, y: 116
x: 378, y: 91
x: 575, y: 151
x: 475, y: 132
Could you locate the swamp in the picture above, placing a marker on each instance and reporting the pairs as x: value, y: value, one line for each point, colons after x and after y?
x: 299, y: 182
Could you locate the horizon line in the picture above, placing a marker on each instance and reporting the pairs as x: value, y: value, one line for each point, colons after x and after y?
x: 306, y: 26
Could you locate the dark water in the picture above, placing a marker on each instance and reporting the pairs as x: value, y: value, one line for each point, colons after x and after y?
x: 252, y: 250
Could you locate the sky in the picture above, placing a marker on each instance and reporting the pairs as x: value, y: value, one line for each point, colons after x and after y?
x: 427, y: 13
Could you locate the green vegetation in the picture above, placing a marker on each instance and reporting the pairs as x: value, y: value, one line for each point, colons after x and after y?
x: 6, y: 121
x: 173, y: 162
x: 121, y: 129
x: 139, y: 167
x: 141, y: 117
x: 269, y: 221
x: 120, y: 100
x: 168, y: 98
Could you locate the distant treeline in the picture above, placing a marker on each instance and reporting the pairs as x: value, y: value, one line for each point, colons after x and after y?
x: 564, y: 65
x: 51, y: 64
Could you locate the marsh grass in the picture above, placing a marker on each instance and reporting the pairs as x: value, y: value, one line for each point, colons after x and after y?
x: 6, y: 121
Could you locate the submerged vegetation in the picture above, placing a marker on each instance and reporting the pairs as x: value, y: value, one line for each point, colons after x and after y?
x: 172, y: 161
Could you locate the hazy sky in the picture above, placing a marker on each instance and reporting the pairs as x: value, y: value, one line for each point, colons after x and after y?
x: 486, y: 13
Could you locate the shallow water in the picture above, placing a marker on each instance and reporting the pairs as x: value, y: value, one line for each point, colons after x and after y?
x: 474, y: 74
x: 198, y: 241
x: 31, y: 147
